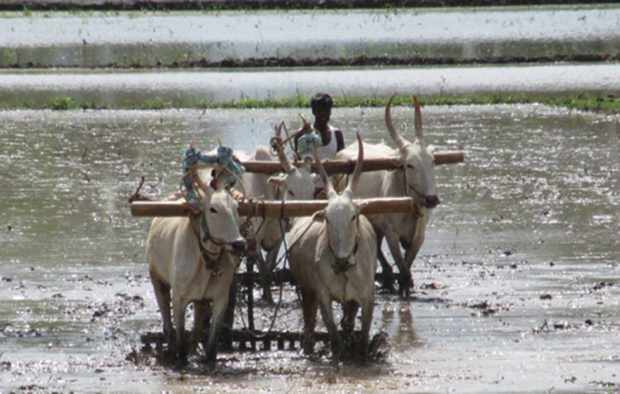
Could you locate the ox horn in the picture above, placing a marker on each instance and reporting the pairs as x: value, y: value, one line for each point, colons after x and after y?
x: 400, y: 142
x: 278, y: 146
x: 357, y: 172
x: 329, y: 188
x: 418, y: 119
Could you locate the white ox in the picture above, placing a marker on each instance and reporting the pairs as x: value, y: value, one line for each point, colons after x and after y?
x: 292, y: 184
x: 416, y: 179
x: 177, y: 263
x: 333, y: 257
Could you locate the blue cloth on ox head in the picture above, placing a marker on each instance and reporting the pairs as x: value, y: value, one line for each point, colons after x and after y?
x: 305, y: 142
x: 223, y: 158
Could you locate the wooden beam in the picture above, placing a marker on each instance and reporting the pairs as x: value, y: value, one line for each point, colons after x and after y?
x: 274, y: 209
x: 347, y: 166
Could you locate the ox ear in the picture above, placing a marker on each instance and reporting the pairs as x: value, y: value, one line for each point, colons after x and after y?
x: 398, y: 162
x: 359, y: 205
x: 319, y: 216
x: 277, y: 180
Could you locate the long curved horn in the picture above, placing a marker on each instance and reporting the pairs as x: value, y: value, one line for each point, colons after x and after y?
x: 400, y: 142
x: 276, y: 143
x: 357, y: 172
x: 418, y: 119
x: 329, y: 188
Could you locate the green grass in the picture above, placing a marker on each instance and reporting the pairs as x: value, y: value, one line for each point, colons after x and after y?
x: 607, y: 104
x: 597, y: 103
x: 60, y: 103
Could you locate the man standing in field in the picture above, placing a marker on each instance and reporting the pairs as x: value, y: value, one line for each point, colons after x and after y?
x: 328, y: 139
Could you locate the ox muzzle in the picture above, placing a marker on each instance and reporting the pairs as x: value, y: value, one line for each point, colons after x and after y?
x: 237, y: 247
x: 429, y: 201
x: 341, y: 265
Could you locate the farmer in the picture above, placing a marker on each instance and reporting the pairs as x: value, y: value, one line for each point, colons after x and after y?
x: 328, y: 139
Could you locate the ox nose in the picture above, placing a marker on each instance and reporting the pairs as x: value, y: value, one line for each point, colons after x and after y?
x: 239, y: 246
x: 430, y: 201
x: 341, y: 265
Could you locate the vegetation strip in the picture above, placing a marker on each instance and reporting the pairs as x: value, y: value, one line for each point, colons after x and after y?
x: 607, y: 104
x: 343, y: 62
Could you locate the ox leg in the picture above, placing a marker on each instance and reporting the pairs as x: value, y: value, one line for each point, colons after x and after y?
x: 347, y: 323
x: 387, y: 275
x: 162, y: 294
x: 412, y: 249
x: 266, y: 270
x: 367, y: 311
x: 217, y: 318
x: 309, y: 305
x: 206, y: 322
x: 201, y: 313
x: 178, y: 312
x: 405, y: 282
x: 332, y: 329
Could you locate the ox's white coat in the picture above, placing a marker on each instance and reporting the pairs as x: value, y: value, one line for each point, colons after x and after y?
x: 417, y: 180
x: 332, y: 258
x: 292, y: 184
x: 176, y: 264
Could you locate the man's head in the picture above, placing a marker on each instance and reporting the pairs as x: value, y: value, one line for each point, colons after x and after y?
x: 321, y: 107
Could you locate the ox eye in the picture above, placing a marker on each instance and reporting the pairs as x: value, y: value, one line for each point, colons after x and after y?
x: 353, y: 218
x: 290, y: 192
x: 410, y: 166
x: 212, y: 210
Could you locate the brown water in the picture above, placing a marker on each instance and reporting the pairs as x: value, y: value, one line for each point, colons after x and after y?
x: 517, y: 285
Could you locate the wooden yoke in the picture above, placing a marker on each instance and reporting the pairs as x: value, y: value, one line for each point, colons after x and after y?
x: 274, y: 209
x: 347, y: 166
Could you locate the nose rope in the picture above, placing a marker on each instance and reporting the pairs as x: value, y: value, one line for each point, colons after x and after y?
x: 417, y: 208
x: 211, y: 259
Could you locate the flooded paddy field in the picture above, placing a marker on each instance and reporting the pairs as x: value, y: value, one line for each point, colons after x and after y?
x: 517, y: 286
x: 200, y: 88
x: 276, y: 38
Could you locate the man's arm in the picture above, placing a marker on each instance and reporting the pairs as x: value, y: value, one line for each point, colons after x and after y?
x: 339, y: 140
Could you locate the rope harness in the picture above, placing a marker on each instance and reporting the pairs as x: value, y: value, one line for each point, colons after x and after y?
x: 416, y: 206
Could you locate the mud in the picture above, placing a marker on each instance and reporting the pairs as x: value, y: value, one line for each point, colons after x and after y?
x: 517, y: 284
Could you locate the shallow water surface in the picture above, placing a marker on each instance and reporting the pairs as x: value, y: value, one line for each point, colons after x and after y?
x: 517, y: 284
x: 154, y: 39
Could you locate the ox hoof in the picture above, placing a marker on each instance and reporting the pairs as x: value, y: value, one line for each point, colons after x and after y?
x: 405, y: 284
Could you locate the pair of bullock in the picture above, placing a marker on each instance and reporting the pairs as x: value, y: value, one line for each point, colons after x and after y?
x: 332, y: 254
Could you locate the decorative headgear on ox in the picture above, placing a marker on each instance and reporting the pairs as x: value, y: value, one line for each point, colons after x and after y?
x: 341, y: 216
x: 417, y: 159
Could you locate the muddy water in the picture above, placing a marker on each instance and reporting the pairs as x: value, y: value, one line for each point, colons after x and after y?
x: 517, y: 285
